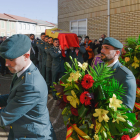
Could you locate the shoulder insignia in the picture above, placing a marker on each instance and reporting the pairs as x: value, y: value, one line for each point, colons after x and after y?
x: 37, y: 43
x: 126, y: 70
x: 45, y: 48
x: 29, y: 73
x: 22, y: 77
x: 41, y: 43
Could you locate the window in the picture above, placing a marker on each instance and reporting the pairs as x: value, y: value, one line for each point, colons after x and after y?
x: 20, y: 26
x: 2, y: 34
x: 79, y: 27
x: 33, y: 27
x: 28, y: 26
x: 12, y: 25
x: 2, y: 24
x: 8, y: 34
x: 8, y: 26
x: 24, y: 26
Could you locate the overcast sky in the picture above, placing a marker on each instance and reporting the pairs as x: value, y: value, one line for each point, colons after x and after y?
x: 34, y: 9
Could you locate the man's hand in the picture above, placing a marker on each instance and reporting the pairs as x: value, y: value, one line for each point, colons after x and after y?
x: 60, y: 47
x: 65, y: 48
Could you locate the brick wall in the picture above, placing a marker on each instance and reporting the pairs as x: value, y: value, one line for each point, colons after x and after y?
x: 125, y: 19
x: 124, y: 16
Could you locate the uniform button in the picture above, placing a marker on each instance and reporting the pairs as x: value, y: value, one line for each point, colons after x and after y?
x: 24, y: 136
x: 11, y: 127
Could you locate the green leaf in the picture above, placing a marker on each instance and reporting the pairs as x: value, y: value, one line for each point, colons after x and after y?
x: 131, y: 117
x: 65, y: 118
x: 82, y: 111
x: 68, y: 93
x: 65, y: 77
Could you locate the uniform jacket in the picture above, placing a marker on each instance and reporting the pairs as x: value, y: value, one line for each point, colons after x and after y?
x: 32, y: 55
x: 78, y: 56
x: 124, y: 76
x: 49, y: 57
x: 44, y: 54
x: 26, y: 110
x: 58, y: 60
x: 40, y: 45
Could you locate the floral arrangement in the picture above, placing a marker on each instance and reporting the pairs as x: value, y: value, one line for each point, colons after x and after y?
x: 131, y: 59
x: 92, y: 104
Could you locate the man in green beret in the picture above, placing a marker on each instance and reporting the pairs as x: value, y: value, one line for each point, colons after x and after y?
x: 34, y: 50
x: 110, y: 52
x: 40, y: 45
x: 44, y: 57
x: 57, y: 63
x: 25, y: 105
x: 49, y: 63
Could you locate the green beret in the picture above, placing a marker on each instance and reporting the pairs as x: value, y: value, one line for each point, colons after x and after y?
x: 15, y: 46
x: 113, y: 42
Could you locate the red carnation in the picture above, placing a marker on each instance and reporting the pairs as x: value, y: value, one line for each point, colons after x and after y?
x: 61, y: 82
x: 125, y: 137
x: 138, y: 82
x: 65, y: 99
x: 85, y: 98
x: 74, y: 111
x: 87, y: 81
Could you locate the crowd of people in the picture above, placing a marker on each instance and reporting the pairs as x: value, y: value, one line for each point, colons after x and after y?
x: 25, y: 107
x: 48, y: 56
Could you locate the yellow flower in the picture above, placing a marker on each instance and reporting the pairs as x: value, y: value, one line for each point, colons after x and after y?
x: 102, y: 114
x: 119, y: 118
x: 96, y: 137
x: 115, y: 103
x: 74, y: 76
x: 137, y: 47
x: 136, y: 60
x: 98, y: 126
x: 135, y: 65
x: 83, y: 66
x: 73, y: 99
x: 127, y: 59
x: 92, y: 125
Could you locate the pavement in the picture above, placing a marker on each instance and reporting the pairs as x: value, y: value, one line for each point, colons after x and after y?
x: 54, y: 111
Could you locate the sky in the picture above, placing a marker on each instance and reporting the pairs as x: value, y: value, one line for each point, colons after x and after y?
x: 34, y: 9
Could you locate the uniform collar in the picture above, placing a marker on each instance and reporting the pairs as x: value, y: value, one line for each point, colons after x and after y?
x: 21, y: 72
x: 111, y: 65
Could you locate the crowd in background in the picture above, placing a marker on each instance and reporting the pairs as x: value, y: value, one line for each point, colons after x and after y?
x: 47, y: 55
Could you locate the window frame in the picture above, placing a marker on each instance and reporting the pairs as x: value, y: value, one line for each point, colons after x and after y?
x: 77, y: 25
x: 2, y: 22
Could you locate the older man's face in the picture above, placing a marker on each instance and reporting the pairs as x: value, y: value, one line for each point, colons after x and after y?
x: 16, y: 65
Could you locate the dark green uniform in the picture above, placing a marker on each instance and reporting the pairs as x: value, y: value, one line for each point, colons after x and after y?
x: 44, y: 61
x: 78, y: 56
x: 40, y: 45
x: 126, y: 77
x: 48, y: 66
x: 34, y: 52
x: 57, y: 65
x: 123, y: 75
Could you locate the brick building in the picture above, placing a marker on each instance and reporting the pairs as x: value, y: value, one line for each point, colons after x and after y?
x: 91, y: 17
